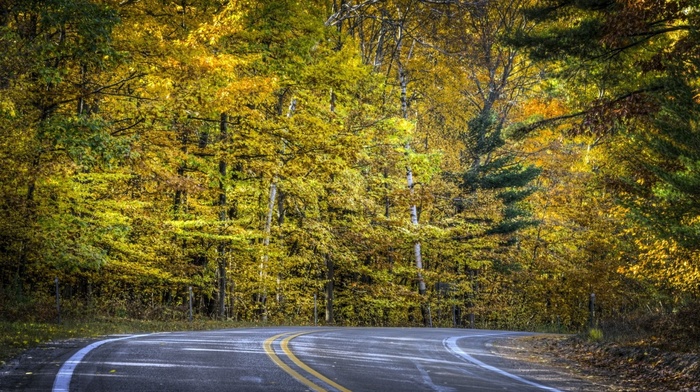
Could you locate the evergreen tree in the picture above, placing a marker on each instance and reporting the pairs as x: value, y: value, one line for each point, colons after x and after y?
x: 59, y: 146
x: 631, y: 69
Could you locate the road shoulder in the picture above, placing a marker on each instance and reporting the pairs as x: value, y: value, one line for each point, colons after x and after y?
x: 564, y: 372
x: 35, y: 369
x: 613, y: 366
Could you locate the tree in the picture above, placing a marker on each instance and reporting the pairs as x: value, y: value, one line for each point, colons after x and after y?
x: 60, y: 147
x: 630, y: 68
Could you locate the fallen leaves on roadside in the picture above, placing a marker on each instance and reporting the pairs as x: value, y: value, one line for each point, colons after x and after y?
x: 639, y: 365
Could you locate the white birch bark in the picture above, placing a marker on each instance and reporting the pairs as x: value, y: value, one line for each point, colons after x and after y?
x: 414, y: 221
x: 268, y: 226
x: 425, y: 308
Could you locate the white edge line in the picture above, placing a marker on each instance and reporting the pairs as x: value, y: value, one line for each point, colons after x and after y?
x: 62, y: 381
x: 451, y: 345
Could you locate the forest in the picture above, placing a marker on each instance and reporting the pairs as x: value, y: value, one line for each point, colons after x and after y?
x: 521, y: 164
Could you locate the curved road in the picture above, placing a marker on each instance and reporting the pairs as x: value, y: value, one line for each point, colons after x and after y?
x: 298, y: 359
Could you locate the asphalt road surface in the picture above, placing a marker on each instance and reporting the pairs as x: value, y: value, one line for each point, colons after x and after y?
x: 293, y: 359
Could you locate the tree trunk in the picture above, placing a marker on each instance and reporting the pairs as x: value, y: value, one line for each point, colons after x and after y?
x: 222, y: 281
x: 330, y: 276
x: 425, y: 307
x: 268, y: 225
x: 387, y: 201
x: 222, y: 217
x: 266, y: 244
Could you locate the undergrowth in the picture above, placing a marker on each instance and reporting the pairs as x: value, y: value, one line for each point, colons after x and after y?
x: 677, y: 330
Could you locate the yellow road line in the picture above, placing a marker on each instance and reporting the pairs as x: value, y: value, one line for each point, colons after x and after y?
x: 271, y: 353
x: 285, y: 347
x: 305, y: 367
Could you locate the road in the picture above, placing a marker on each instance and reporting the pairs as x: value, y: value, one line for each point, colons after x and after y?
x: 294, y: 359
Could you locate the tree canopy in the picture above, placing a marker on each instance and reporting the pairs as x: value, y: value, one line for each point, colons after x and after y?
x: 399, y: 162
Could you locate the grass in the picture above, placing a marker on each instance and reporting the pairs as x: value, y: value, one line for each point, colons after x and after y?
x: 595, y: 335
x: 16, y: 337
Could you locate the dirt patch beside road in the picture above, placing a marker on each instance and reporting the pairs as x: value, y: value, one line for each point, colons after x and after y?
x: 609, y: 366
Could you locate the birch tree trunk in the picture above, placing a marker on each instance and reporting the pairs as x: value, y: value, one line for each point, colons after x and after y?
x: 425, y: 307
x: 268, y: 225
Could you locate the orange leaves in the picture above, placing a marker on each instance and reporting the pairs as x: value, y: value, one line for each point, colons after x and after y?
x: 545, y: 108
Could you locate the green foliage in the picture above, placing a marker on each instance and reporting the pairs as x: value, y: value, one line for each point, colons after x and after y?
x: 595, y: 335
x: 632, y: 84
x: 258, y: 154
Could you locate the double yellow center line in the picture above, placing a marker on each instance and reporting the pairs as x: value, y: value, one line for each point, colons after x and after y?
x: 284, y: 345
